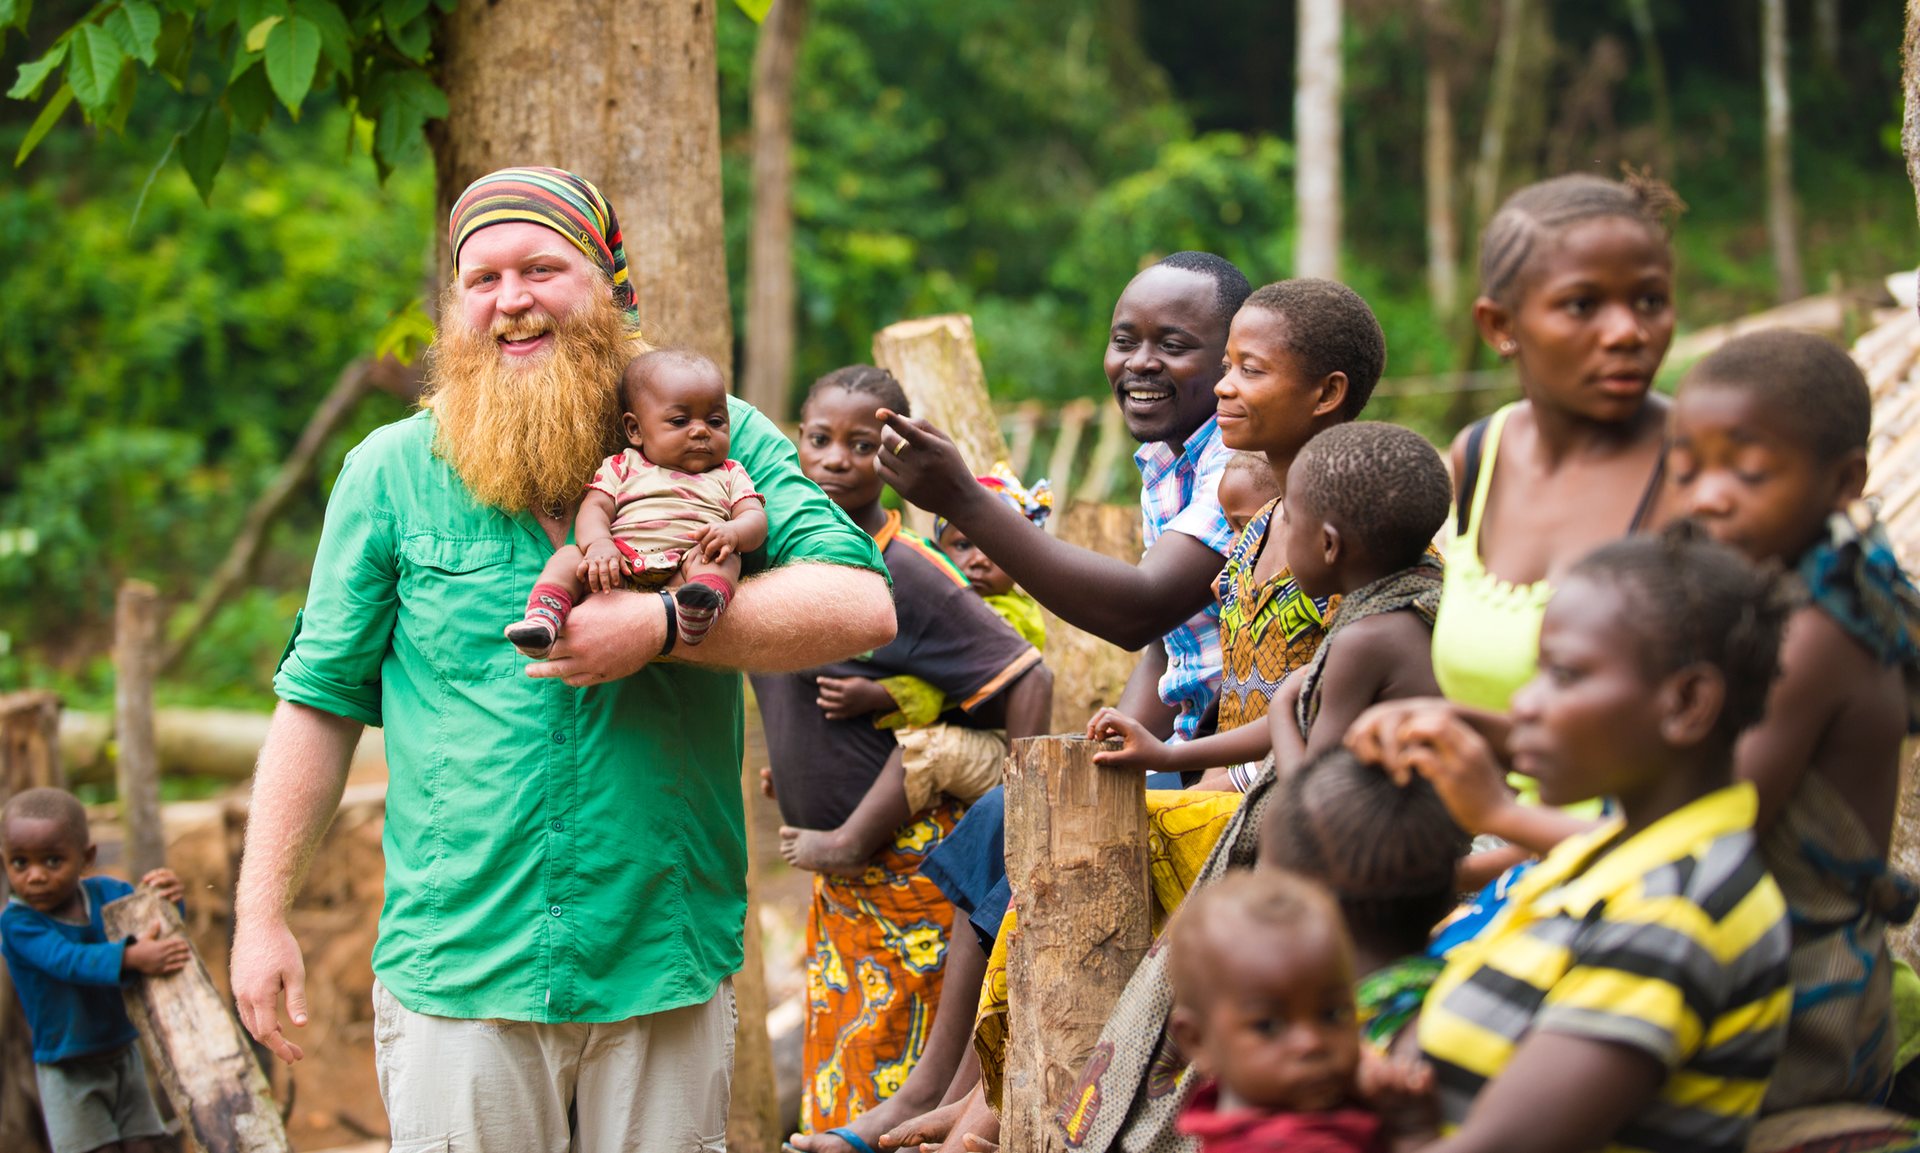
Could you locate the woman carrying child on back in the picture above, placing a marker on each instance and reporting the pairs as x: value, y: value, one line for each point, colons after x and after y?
x: 877, y: 966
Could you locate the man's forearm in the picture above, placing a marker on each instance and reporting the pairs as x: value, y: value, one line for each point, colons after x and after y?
x: 296, y: 791
x: 798, y: 616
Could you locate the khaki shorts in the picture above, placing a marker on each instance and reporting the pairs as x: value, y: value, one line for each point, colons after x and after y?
x: 653, y: 1083
x: 96, y: 1100
x: 952, y: 759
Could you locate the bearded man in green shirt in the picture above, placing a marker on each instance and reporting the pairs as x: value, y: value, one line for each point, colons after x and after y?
x: 564, y: 840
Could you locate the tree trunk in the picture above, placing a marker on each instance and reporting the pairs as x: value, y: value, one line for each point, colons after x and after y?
x: 1497, y: 124
x: 767, y: 373
x: 1443, y: 233
x: 1641, y: 13
x: 29, y: 758
x: 1782, y: 228
x: 1826, y: 33
x: 136, y: 653
x: 1077, y: 864
x: 753, y: 1110
x: 1910, y: 88
x: 198, y: 1050
x: 624, y: 94
x: 1316, y: 135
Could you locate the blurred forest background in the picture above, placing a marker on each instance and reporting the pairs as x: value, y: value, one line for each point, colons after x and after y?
x: 1013, y: 159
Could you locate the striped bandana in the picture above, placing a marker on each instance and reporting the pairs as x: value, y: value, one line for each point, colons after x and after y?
x: 568, y: 204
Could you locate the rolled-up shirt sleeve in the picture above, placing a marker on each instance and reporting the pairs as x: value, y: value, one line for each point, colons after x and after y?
x: 803, y: 524
x: 340, y: 639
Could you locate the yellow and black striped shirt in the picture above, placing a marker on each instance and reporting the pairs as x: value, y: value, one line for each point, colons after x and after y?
x: 1673, y: 942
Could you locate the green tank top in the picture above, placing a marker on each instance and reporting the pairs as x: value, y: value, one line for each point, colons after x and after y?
x: 1486, y: 640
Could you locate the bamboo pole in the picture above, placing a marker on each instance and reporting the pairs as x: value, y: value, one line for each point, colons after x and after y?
x: 1077, y: 863
x: 29, y: 758
x: 196, y: 1046
x: 137, y: 765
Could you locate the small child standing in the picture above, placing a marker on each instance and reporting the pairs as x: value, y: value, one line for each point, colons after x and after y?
x: 1247, y: 485
x: 669, y: 512
x: 1769, y: 455
x: 1263, y: 1004
x: 933, y: 758
x: 93, y: 1083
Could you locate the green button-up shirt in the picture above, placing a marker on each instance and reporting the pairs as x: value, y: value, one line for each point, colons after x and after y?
x: 553, y: 854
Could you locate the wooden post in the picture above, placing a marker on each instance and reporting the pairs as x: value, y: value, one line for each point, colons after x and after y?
x: 136, y: 657
x: 753, y: 1109
x: 197, y: 1047
x: 935, y: 361
x: 29, y: 758
x: 1026, y: 424
x: 1077, y: 862
x: 1113, y: 443
x: 1089, y: 673
x: 1074, y: 416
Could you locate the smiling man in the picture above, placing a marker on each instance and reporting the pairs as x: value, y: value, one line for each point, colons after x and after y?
x: 565, y: 841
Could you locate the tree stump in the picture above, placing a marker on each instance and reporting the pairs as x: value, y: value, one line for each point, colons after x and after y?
x: 1077, y: 862
x: 936, y: 363
x: 136, y: 658
x: 197, y: 1048
x: 1089, y: 673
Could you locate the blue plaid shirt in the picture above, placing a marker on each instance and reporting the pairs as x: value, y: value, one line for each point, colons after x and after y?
x: 1180, y: 492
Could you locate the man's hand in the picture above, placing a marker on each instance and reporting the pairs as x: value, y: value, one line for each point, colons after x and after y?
x: 165, y: 885
x: 716, y: 542
x: 924, y: 466
x: 156, y: 954
x: 844, y: 698
x: 604, y: 567
x: 1139, y: 748
x: 266, y: 962
x: 608, y: 637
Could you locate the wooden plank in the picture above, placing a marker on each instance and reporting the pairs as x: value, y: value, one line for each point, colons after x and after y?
x: 195, y: 1044
x: 1077, y: 863
x: 137, y: 765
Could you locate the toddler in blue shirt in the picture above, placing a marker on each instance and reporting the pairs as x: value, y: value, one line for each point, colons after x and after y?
x: 93, y: 1084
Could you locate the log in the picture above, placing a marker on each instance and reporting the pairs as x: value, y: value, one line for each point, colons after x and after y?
x: 1077, y: 863
x: 197, y: 1048
x: 137, y: 766
x: 29, y: 759
x: 195, y: 742
x: 936, y: 363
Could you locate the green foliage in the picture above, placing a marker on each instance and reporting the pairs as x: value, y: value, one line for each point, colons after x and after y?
x: 228, y: 60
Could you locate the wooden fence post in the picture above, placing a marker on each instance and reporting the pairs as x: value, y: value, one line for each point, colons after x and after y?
x: 29, y: 758
x: 1074, y: 416
x: 136, y: 657
x: 935, y: 360
x: 197, y: 1047
x: 1077, y: 862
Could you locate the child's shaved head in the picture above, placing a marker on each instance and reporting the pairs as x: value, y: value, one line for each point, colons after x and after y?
x: 1384, y: 487
x: 1814, y: 387
x: 1247, y: 912
x: 55, y: 805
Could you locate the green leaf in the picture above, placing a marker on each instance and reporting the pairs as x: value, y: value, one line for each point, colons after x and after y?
x: 248, y: 13
x: 135, y: 25
x: 293, y: 49
x: 204, y: 148
x: 250, y: 99
x: 34, y: 73
x: 220, y: 14
x: 397, y: 134
x: 121, y: 105
x: 43, y: 123
x: 13, y: 14
x: 173, y: 51
x: 93, y: 67
x: 413, y: 39
x: 756, y: 10
x: 257, y: 35
x: 397, y: 12
x: 406, y: 334
x: 336, y: 35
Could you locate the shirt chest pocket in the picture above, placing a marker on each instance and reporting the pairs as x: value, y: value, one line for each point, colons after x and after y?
x: 456, y: 597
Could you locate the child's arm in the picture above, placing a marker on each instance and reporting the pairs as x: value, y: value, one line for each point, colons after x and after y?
x: 37, y: 945
x: 1382, y: 658
x: 744, y: 533
x: 1615, y: 1085
x: 843, y: 698
x: 1142, y: 750
x: 604, y: 569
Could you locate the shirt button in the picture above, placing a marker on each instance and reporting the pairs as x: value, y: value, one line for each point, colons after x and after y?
x: 559, y: 738
x: 554, y: 909
x: 559, y: 826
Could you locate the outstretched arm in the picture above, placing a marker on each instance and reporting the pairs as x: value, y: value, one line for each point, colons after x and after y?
x: 296, y: 790
x: 798, y: 616
x: 1127, y: 605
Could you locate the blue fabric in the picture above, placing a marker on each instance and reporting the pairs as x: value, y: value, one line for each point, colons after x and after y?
x: 1477, y: 913
x: 970, y: 865
x: 68, y: 976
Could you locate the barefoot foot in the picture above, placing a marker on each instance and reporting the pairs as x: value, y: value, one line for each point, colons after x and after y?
x: 928, y: 1128
x: 820, y: 851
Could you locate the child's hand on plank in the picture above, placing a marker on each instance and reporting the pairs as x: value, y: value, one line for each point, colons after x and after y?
x: 156, y: 955
x: 165, y: 885
x: 1139, y: 749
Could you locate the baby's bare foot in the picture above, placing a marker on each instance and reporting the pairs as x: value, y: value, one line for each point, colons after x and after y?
x: 820, y: 852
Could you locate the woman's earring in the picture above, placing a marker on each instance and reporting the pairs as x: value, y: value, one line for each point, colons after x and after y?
x: 1508, y: 348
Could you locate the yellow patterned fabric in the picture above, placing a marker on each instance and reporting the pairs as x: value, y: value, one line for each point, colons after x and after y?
x: 1182, y: 828
x: 1266, y: 630
x: 878, y: 946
